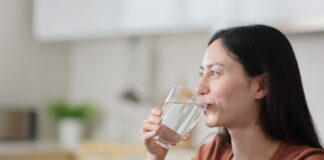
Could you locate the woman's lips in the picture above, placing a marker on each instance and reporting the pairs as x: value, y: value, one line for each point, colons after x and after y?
x: 206, y: 108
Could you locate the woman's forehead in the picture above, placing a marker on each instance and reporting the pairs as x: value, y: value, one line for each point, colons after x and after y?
x: 216, y: 54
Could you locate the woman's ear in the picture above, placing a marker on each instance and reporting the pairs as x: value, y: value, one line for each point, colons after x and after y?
x: 261, y: 86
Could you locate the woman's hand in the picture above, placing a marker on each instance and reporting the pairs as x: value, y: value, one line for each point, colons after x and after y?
x: 150, y: 128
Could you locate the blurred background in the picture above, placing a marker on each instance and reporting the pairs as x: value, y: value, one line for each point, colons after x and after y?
x: 113, y: 60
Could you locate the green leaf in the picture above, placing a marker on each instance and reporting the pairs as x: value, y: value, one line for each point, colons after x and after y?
x: 62, y: 109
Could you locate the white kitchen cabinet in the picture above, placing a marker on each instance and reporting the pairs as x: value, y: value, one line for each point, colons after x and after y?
x: 73, y: 19
x: 55, y: 20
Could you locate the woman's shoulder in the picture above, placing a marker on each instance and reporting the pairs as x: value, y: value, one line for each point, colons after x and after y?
x: 209, y: 150
x: 298, y: 152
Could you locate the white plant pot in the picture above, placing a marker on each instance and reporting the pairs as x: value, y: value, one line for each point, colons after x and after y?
x: 70, y: 133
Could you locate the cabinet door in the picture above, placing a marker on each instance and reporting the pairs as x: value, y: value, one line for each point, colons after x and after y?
x: 73, y: 19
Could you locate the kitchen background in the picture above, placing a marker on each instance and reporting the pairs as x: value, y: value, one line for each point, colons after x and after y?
x: 123, y: 56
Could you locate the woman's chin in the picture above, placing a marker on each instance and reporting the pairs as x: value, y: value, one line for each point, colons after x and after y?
x: 209, y: 125
x: 210, y: 122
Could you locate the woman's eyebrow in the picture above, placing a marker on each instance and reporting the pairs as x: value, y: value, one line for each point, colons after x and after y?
x: 213, y: 64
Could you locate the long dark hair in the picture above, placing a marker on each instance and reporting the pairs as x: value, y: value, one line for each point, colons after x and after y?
x: 284, y: 113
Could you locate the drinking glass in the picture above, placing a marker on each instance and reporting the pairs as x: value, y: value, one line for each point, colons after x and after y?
x: 180, y: 112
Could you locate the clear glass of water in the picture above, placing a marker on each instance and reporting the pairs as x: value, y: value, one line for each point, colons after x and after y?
x: 180, y: 113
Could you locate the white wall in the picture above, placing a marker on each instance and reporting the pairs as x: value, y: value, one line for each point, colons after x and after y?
x: 30, y: 73
x: 309, y: 51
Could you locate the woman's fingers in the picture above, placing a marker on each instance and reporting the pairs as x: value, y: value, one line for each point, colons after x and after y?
x: 147, y: 136
x: 148, y: 126
x: 186, y: 137
x: 154, y: 119
x: 156, y: 111
x: 153, y: 122
x: 151, y: 125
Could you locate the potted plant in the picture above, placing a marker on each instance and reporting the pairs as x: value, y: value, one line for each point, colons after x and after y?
x: 70, y: 120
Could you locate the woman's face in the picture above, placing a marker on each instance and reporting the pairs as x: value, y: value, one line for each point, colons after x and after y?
x: 228, y: 93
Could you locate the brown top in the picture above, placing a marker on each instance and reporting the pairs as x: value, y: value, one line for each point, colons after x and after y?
x: 284, y: 152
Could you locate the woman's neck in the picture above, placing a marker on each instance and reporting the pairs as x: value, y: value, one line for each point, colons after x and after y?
x: 251, y: 143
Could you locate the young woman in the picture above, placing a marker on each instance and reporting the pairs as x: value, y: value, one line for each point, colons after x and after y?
x: 252, y: 89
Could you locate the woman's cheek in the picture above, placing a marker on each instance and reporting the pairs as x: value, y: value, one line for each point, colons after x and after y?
x: 220, y: 89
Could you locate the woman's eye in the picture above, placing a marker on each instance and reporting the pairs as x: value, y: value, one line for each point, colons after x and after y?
x: 201, y: 74
x: 214, y: 73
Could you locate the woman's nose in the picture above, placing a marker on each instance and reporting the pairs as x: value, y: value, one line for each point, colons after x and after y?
x: 202, y: 87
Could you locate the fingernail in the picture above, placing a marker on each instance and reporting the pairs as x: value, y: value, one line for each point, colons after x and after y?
x: 157, y: 112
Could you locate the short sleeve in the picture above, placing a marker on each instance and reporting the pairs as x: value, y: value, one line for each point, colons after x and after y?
x: 206, y: 151
x: 313, y: 154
